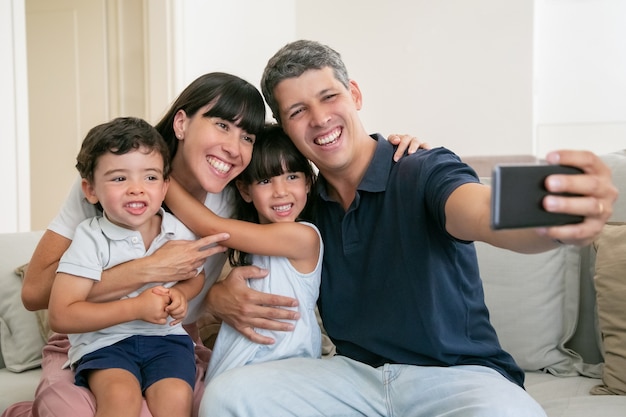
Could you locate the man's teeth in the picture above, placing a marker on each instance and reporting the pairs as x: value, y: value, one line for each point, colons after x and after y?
x: 219, y: 165
x: 136, y: 205
x: 325, y: 140
x: 284, y: 207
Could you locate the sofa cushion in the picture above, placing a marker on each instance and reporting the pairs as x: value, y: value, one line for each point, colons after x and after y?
x: 610, y: 284
x: 617, y: 162
x: 17, y: 387
x: 533, y: 303
x: 42, y: 315
x: 20, y: 338
x: 569, y: 397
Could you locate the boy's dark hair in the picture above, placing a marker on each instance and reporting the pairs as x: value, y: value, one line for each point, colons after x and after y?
x: 233, y: 99
x: 119, y: 136
x: 273, y: 154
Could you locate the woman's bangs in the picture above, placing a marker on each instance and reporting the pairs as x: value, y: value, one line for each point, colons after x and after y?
x: 240, y: 107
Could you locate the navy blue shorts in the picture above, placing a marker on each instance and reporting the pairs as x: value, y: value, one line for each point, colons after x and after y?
x: 149, y: 358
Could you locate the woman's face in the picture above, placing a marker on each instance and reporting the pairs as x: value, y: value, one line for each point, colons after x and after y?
x: 211, y: 152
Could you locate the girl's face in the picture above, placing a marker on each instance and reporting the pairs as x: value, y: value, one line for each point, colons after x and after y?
x: 277, y: 199
x: 130, y: 187
x: 211, y: 152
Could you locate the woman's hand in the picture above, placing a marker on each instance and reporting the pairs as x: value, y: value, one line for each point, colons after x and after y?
x: 246, y: 309
x: 405, y: 142
x: 178, y: 260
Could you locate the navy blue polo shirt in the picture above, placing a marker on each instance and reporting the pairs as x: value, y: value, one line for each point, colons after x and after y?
x: 396, y: 287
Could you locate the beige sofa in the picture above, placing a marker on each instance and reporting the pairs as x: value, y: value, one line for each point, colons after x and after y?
x: 543, y: 306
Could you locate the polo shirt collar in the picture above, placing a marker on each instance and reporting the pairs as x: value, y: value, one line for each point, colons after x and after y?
x: 375, y: 178
x: 115, y: 232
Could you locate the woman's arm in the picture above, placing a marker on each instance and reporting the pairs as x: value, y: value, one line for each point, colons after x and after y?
x: 289, y: 239
x: 174, y: 261
x: 69, y: 312
x: 41, y: 270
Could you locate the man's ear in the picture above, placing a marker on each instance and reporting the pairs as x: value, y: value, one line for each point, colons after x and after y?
x: 89, y: 191
x: 244, y: 191
x: 355, y: 91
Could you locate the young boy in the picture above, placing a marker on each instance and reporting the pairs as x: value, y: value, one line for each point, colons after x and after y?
x: 124, y: 348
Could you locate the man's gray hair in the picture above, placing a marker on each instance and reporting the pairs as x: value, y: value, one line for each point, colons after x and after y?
x: 292, y: 60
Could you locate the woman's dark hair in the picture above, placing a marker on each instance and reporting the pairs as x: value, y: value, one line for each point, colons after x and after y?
x: 273, y: 155
x: 232, y: 98
x: 119, y: 136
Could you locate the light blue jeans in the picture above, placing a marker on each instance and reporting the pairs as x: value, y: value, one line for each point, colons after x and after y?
x: 342, y: 387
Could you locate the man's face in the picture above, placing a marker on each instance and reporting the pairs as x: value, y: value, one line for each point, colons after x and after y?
x: 320, y: 116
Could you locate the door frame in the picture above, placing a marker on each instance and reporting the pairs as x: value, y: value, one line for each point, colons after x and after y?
x: 160, y: 77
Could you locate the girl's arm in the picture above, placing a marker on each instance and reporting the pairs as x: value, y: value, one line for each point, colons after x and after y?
x: 69, y: 312
x: 289, y: 239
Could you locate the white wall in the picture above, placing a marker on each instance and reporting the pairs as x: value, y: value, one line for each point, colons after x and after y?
x: 456, y: 73
x: 486, y: 77
x: 433, y: 69
x: 580, y: 75
x: 235, y: 36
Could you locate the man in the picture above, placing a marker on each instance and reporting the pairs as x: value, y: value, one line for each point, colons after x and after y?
x: 401, y: 294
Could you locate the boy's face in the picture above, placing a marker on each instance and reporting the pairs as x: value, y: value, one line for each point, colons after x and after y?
x: 130, y: 187
x: 321, y: 117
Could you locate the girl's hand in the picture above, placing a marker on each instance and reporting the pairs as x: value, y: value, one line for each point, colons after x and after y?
x: 245, y: 309
x: 405, y: 142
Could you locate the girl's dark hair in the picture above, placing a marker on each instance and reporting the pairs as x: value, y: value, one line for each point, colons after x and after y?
x: 232, y: 98
x: 119, y: 136
x: 273, y: 155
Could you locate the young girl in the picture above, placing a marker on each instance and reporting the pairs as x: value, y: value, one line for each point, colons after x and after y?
x: 274, y: 192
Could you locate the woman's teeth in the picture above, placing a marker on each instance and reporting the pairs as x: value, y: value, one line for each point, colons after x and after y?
x: 219, y: 165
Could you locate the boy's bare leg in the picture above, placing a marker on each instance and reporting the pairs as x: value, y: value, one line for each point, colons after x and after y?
x: 117, y: 393
x: 169, y: 397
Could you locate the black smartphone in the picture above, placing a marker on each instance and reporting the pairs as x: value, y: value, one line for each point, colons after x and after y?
x: 517, y: 192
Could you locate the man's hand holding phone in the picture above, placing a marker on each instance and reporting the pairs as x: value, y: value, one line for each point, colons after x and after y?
x: 580, y: 187
x: 517, y: 196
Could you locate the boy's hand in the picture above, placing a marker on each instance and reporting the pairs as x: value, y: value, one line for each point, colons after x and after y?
x: 178, y: 306
x: 151, y: 305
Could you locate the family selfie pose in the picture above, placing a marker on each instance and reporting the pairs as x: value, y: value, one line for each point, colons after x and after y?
x: 312, y: 212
